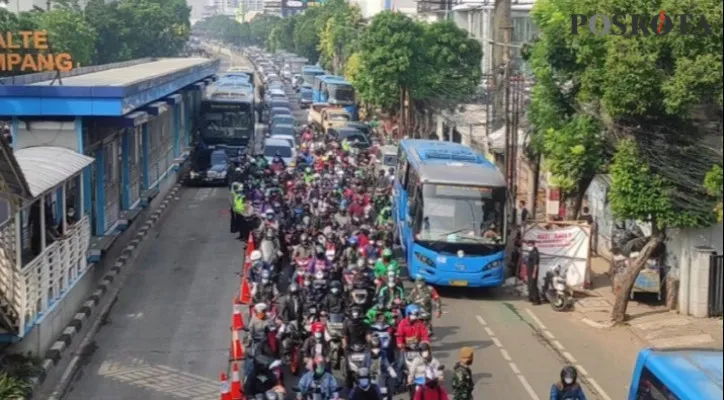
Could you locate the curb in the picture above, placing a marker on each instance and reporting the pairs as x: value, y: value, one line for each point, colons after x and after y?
x: 55, y: 353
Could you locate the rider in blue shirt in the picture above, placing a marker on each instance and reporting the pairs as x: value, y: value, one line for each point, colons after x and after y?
x: 319, y: 378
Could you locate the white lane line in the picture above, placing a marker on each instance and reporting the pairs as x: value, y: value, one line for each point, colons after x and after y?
x: 599, y: 389
x: 506, y: 356
x: 567, y: 355
x: 536, y: 319
x: 528, y: 388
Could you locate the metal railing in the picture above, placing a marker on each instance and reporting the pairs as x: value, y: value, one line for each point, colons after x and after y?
x: 716, y: 286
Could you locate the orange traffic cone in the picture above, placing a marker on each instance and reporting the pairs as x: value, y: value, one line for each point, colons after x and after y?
x: 249, y: 245
x: 225, y: 390
x: 237, y: 320
x: 245, y: 296
x: 236, y: 392
x: 237, y: 350
x: 247, y: 266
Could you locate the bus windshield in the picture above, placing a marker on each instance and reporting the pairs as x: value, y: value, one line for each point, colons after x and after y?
x: 342, y: 93
x: 308, y: 77
x: 453, y: 214
x: 226, y: 121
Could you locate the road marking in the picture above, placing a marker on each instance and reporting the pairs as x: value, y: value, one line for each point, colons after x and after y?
x: 506, y: 356
x: 567, y: 355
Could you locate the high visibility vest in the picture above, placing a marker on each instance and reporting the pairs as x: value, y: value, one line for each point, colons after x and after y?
x: 239, y: 204
x: 345, y: 145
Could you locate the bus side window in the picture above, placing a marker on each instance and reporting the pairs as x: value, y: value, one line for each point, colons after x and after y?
x: 651, y: 388
x: 417, y: 213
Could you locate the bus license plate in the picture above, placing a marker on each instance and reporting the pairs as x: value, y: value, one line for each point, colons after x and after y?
x: 458, y: 283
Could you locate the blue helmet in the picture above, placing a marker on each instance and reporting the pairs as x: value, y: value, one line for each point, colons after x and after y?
x: 412, y: 309
x: 352, y: 240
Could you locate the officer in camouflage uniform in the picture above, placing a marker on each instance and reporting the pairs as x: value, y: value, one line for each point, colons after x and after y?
x: 424, y: 296
x: 462, y: 383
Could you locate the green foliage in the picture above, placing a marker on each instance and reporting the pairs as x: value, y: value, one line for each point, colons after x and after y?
x: 13, y: 388
x: 451, y: 69
x: 390, y: 49
x: 647, y: 90
x: 306, y: 39
x: 338, y: 38
x: 638, y: 193
x: 225, y: 29
x: 281, y: 36
x: 574, y: 153
x: 713, y: 184
x: 69, y: 32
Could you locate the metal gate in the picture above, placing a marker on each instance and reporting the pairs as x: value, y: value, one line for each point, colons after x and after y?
x: 716, y: 286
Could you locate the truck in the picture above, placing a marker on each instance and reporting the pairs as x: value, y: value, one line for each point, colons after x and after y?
x: 323, y: 116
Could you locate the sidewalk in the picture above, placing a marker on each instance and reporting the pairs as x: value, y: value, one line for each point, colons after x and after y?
x: 653, y: 324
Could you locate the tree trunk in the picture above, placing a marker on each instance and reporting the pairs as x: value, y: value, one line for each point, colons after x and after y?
x: 625, y: 281
x: 536, y: 187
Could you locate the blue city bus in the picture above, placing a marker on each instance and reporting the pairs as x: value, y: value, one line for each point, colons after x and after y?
x: 226, y: 120
x: 449, y: 206
x: 678, y: 374
x: 308, y: 74
x: 335, y: 90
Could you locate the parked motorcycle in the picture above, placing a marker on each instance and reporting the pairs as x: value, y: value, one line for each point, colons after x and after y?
x: 556, y: 289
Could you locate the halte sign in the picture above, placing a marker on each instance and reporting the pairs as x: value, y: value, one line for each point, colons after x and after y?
x: 28, y: 51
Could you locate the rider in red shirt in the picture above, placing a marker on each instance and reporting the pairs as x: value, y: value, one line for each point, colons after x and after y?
x: 412, y: 328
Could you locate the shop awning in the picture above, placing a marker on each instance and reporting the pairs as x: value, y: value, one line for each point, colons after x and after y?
x: 46, y: 167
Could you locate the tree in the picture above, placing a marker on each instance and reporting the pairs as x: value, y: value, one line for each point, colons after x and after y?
x: 451, y: 71
x: 261, y: 26
x: 157, y: 28
x: 69, y: 32
x: 306, y: 39
x: 281, y: 36
x: 713, y: 182
x: 654, y: 97
x: 110, y: 29
x: 338, y: 38
x: 390, y: 55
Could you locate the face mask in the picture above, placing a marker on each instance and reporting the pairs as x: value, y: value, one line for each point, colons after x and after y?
x: 71, y: 214
x: 307, y: 283
x: 364, y: 382
x: 375, y: 351
x: 425, y: 354
x: 391, y: 283
x: 265, y: 281
x: 318, y: 335
x: 355, y: 315
x: 319, y: 371
x: 420, y: 285
x: 413, y: 318
x: 335, y: 291
x: 568, y: 381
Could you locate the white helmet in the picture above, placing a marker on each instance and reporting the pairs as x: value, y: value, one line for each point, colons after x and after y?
x: 255, y: 255
x: 260, y: 307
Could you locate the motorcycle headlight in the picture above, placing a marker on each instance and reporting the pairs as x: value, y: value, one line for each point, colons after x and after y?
x: 194, y: 175
x: 493, y: 265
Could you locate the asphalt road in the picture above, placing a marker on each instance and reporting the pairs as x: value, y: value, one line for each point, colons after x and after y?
x: 168, y: 334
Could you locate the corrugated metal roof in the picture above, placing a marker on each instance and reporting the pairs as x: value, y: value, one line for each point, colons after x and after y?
x: 128, y: 75
x: 45, y: 167
x: 11, y: 175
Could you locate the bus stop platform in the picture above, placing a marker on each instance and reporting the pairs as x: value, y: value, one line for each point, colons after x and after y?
x: 90, y: 150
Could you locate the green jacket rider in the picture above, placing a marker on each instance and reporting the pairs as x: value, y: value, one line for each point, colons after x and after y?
x: 385, y: 216
x: 372, y: 313
x: 385, y: 265
x: 388, y: 293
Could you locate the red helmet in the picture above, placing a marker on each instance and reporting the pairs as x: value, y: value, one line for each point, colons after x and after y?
x: 318, y: 327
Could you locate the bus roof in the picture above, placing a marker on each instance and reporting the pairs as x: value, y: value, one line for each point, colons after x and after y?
x: 334, y: 79
x: 446, y: 162
x: 694, y: 371
x: 312, y: 68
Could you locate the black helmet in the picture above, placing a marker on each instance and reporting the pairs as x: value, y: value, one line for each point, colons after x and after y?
x: 569, y: 375
x: 335, y: 285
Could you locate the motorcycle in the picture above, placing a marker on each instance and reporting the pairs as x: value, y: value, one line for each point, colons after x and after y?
x: 270, y: 252
x: 383, y: 332
x: 291, y: 344
x: 556, y: 289
x: 333, y: 335
x: 313, y: 393
x: 353, y: 361
x: 411, y: 353
x: 277, y: 393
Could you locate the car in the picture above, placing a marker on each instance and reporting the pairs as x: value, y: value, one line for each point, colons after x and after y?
x: 283, y: 120
x: 356, y: 138
x: 277, y: 94
x: 283, y: 130
x: 305, y: 97
x: 360, y: 126
x: 279, y: 111
x: 209, y: 167
x: 291, y: 139
x: 280, y: 103
x: 388, y: 158
x: 280, y: 146
x: 276, y: 85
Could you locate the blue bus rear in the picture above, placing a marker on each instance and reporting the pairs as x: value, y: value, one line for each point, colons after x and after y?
x: 308, y: 74
x: 677, y: 374
x: 449, y: 209
x: 335, y: 90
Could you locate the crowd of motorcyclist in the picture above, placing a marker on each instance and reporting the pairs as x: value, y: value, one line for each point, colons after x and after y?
x: 327, y: 215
